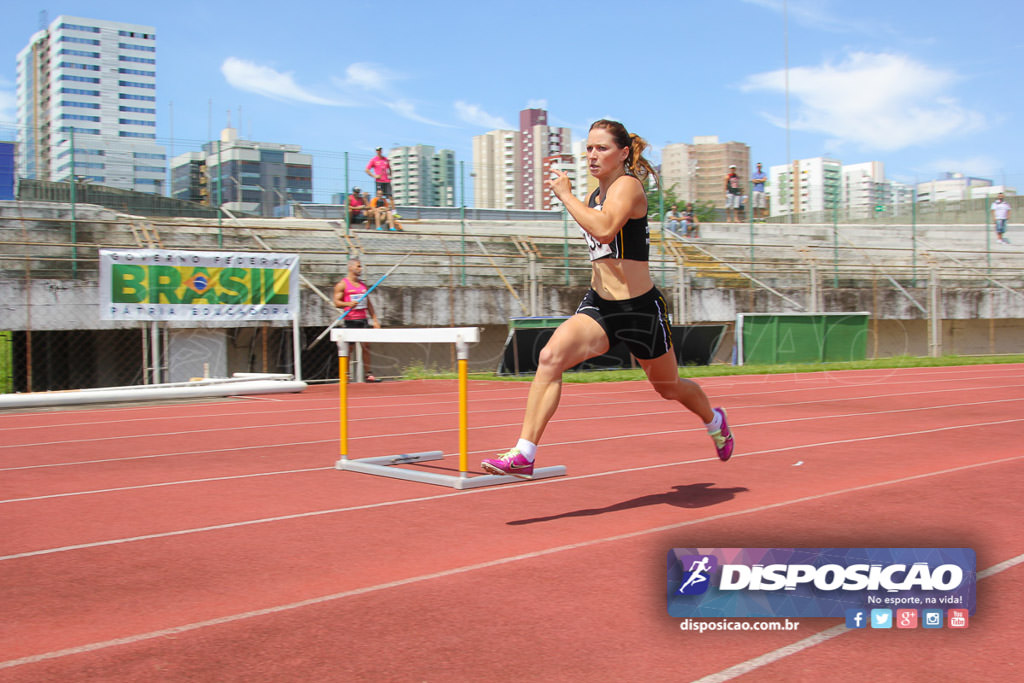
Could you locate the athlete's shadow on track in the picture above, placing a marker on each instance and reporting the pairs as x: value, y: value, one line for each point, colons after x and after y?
x: 688, y: 496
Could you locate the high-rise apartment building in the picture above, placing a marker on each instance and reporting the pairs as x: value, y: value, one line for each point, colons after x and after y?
x: 242, y: 175
x: 584, y: 183
x: 92, y: 81
x: 189, y: 180
x: 524, y: 157
x: 541, y: 145
x: 864, y: 189
x: 496, y: 169
x: 532, y: 123
x: 422, y: 177
x: 807, y: 186
x: 697, y: 171
x: 951, y: 187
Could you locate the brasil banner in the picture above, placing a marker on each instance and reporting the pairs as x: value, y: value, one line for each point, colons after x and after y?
x: 158, y: 284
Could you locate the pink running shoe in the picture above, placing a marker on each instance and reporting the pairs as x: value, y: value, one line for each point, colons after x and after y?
x: 512, y: 462
x: 723, y: 438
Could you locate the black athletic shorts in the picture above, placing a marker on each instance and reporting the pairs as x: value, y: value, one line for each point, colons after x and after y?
x: 641, y: 323
x: 357, y: 324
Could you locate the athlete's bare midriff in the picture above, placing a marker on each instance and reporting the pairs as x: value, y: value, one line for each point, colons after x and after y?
x: 617, y: 279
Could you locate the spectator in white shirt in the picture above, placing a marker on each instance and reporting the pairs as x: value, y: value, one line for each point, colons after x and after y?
x: 1001, y: 214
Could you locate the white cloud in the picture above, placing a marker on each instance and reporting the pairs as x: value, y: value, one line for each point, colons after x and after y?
x: 371, y: 84
x: 824, y: 16
x: 473, y: 114
x: 537, y: 104
x: 368, y: 76
x: 364, y: 84
x: 263, y: 80
x: 407, y: 109
x: 877, y: 101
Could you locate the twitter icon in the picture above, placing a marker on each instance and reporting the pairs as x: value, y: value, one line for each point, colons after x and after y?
x: 881, y: 618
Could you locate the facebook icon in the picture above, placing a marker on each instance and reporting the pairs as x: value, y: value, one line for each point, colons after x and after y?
x: 856, y: 618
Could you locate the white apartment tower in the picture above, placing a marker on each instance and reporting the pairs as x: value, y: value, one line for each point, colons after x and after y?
x: 496, y: 169
x: 510, y: 166
x: 864, y: 188
x: 808, y: 186
x: 422, y: 177
x: 93, y: 81
x: 951, y: 187
x: 584, y: 183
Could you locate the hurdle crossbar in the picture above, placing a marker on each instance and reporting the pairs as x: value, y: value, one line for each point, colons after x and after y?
x: 385, y: 465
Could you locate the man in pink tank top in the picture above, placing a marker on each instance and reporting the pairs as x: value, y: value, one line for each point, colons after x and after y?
x: 379, y: 169
x: 350, y: 294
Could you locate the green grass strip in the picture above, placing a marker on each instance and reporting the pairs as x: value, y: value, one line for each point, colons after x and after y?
x: 696, y: 371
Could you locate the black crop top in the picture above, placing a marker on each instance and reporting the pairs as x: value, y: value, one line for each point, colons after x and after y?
x: 632, y: 242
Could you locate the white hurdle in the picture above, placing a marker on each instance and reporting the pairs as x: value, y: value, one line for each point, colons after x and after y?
x: 384, y: 465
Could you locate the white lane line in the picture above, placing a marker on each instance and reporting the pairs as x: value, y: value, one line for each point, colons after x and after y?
x: 206, y: 451
x: 391, y: 417
x: 480, y: 491
x: 181, y: 482
x: 773, y: 656
x: 331, y: 402
x: 818, y: 638
x: 488, y: 450
x: 470, y: 568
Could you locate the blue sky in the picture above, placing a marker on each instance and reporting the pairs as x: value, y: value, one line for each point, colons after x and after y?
x: 923, y: 87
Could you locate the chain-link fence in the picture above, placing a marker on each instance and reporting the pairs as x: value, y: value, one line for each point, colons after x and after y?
x: 928, y: 287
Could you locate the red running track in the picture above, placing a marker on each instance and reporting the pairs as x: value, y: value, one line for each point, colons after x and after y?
x: 215, y: 542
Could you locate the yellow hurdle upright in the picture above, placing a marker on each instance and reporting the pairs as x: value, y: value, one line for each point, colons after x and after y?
x: 343, y: 398
x: 463, y: 415
x: 462, y: 337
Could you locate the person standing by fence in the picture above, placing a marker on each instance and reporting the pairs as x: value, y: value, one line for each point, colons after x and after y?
x: 758, y: 205
x: 733, y: 196
x: 379, y: 169
x: 1001, y: 214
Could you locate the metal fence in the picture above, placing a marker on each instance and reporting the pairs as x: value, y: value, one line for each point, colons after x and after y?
x: 458, y: 268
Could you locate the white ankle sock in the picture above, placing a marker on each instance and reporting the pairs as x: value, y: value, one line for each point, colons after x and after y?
x: 527, y: 448
x: 715, y: 424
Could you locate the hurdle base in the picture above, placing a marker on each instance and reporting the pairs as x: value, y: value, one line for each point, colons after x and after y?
x: 383, y: 465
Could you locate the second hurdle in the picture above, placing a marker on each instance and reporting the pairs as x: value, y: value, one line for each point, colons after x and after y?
x: 384, y: 465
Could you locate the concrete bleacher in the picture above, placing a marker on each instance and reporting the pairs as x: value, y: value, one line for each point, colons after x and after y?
x: 483, y: 252
x: 886, y: 249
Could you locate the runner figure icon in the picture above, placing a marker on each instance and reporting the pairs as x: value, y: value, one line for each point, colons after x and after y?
x: 698, y: 571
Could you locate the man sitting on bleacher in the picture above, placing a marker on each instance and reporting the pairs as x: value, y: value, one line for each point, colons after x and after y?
x: 357, y: 206
x: 380, y: 208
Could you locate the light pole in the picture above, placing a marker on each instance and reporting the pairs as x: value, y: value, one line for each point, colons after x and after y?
x: 693, y: 180
x: 74, y: 222
x: 220, y: 199
x: 462, y: 216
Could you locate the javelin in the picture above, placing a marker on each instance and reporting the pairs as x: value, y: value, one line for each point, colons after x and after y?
x: 348, y: 310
